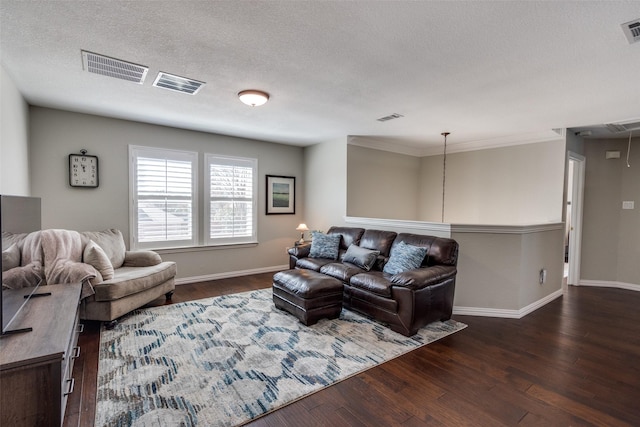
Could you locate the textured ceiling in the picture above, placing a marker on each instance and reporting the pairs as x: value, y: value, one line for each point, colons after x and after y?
x: 480, y: 70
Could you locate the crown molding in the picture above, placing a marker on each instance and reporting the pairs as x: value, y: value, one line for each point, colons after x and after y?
x: 498, y: 142
x: 392, y: 146
x: 396, y: 146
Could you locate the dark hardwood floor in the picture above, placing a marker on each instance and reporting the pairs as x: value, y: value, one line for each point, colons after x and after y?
x: 573, y: 362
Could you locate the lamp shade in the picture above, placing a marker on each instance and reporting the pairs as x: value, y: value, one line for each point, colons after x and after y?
x: 302, y: 228
x: 253, y: 98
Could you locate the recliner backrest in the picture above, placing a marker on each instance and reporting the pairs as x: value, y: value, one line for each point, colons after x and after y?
x: 350, y: 235
x: 441, y: 250
x: 378, y: 240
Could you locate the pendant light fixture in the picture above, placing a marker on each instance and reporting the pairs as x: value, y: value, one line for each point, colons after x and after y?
x: 444, y: 169
x: 253, y: 98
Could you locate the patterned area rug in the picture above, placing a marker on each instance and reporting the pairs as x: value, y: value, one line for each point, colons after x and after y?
x: 224, y: 361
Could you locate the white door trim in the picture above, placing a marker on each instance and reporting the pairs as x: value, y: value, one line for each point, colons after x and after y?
x: 577, y: 200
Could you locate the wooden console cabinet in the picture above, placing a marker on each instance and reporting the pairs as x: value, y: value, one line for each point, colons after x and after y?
x: 36, y: 366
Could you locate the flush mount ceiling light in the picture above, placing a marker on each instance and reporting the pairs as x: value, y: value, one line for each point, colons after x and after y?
x: 253, y: 98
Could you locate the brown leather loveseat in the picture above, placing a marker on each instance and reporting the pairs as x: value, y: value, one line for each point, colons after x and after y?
x: 405, y: 300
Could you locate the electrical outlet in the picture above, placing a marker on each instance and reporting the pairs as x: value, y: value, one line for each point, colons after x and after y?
x: 543, y: 276
x: 628, y: 204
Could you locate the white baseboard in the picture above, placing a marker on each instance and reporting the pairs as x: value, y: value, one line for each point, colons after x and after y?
x: 486, y: 312
x: 216, y: 276
x: 610, y: 284
x: 506, y: 313
x: 463, y: 311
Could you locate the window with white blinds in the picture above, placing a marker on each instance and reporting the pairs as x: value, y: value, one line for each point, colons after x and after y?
x: 232, y: 200
x: 164, y: 197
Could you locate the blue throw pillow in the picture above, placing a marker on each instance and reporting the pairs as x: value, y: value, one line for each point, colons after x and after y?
x: 404, y: 257
x: 324, y: 245
x: 361, y: 257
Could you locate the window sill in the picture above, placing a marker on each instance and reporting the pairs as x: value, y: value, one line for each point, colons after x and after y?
x: 205, y: 248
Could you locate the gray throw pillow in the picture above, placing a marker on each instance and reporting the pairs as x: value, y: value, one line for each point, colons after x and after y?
x: 95, y: 256
x: 324, y: 245
x: 361, y: 257
x: 111, y: 242
x: 404, y: 257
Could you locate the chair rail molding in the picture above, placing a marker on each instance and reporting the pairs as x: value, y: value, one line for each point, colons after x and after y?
x: 437, y: 228
x: 506, y: 229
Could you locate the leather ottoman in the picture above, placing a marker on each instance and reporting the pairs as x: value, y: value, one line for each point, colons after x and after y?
x: 308, y: 295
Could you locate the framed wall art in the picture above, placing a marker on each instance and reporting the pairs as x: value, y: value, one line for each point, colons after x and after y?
x: 281, y: 194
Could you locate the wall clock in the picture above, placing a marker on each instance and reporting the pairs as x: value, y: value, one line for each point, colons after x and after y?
x: 83, y: 170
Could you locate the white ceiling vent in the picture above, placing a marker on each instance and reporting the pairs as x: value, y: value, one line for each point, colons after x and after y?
x: 632, y: 30
x: 111, y: 67
x: 623, y: 126
x: 390, y: 117
x: 177, y: 83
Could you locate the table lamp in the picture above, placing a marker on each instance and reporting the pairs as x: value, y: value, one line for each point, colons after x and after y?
x: 302, y: 228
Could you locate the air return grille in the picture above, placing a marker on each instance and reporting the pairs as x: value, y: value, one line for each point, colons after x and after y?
x: 623, y: 127
x: 390, y: 117
x: 632, y: 30
x: 177, y: 83
x: 111, y: 67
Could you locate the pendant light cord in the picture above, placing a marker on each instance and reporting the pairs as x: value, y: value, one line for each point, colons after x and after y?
x: 629, y: 149
x: 444, y: 170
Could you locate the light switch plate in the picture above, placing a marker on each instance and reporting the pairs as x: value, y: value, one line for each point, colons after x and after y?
x: 628, y: 204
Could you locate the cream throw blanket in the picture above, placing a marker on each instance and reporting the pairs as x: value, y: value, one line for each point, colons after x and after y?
x: 63, y: 260
x: 31, y: 271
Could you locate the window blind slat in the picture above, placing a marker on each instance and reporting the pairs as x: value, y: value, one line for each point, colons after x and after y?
x: 231, y: 198
x: 164, y: 195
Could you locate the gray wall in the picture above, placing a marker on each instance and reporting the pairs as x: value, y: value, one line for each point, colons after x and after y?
x: 499, y: 270
x: 55, y: 134
x: 522, y: 184
x: 381, y: 184
x: 14, y: 139
x: 430, y: 189
x: 325, y: 190
x: 575, y: 143
x: 542, y: 250
x: 611, y: 235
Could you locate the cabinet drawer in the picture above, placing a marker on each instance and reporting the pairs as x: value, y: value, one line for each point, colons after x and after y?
x: 35, y: 365
x: 70, y: 355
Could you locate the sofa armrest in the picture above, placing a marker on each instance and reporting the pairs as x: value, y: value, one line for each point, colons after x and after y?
x: 423, y: 277
x: 297, y: 252
x: 301, y: 251
x: 141, y: 259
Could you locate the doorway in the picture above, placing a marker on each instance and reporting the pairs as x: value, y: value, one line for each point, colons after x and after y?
x: 573, y: 217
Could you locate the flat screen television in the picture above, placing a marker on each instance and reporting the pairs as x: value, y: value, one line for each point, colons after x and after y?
x: 18, y: 214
